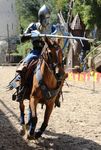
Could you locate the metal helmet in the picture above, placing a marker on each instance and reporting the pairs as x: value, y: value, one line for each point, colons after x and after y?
x: 44, y: 15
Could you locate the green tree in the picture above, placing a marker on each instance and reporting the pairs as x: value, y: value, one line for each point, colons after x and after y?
x: 27, y: 11
x: 90, y: 11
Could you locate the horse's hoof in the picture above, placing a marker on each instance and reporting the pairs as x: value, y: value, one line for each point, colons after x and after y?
x: 30, y: 137
x: 38, y: 134
x: 22, y: 130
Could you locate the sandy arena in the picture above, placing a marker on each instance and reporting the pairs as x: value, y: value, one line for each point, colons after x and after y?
x: 76, y: 125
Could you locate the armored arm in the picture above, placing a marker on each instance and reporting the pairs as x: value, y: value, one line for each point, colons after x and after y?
x: 25, y: 37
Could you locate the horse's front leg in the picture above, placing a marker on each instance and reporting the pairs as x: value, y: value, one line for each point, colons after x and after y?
x: 33, y: 118
x: 48, y: 111
x: 22, y: 118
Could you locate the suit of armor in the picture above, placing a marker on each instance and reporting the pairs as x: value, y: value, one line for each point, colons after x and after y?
x: 41, y: 26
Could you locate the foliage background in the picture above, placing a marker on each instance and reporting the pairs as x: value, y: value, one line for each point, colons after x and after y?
x: 89, y: 11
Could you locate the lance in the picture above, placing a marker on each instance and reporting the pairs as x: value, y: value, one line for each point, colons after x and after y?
x: 35, y: 34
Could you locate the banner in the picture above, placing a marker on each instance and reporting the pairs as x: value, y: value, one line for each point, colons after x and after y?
x: 85, y: 76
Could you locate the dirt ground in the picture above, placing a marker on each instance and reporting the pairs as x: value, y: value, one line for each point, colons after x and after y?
x: 76, y: 125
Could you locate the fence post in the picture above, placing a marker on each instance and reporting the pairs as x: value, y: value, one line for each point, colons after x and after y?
x: 8, y: 38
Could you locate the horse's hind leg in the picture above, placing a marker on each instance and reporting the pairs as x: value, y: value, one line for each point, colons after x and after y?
x: 48, y: 112
x: 22, y: 119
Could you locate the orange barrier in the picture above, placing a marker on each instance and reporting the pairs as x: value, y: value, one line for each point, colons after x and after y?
x: 85, y: 76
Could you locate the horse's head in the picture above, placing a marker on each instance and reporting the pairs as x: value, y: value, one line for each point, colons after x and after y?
x: 55, y: 57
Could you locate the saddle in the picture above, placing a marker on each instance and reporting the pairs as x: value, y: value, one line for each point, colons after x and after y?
x: 30, y: 69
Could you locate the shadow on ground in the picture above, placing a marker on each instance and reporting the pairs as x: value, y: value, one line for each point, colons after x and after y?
x: 9, y: 137
x: 11, y: 140
x: 66, y: 142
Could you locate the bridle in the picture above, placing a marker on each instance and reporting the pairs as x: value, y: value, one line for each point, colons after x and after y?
x: 51, y: 57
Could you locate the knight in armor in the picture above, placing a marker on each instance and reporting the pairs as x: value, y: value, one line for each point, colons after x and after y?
x: 41, y: 26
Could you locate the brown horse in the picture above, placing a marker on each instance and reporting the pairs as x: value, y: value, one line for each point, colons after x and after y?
x: 46, y: 87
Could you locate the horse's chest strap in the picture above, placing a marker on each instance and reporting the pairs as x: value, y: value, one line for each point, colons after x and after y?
x: 47, y: 93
